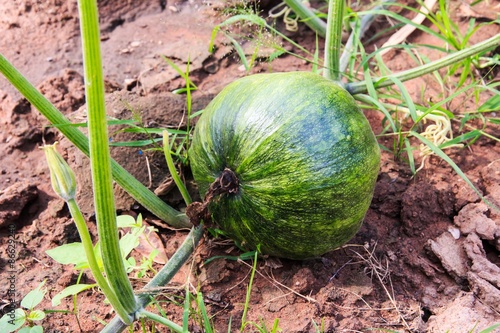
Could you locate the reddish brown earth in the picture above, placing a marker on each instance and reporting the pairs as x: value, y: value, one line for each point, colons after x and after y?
x: 425, y: 260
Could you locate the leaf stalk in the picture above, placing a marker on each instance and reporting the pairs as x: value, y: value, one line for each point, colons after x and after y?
x: 385, y: 81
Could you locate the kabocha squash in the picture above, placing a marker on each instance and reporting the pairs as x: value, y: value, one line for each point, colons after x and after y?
x: 295, y: 162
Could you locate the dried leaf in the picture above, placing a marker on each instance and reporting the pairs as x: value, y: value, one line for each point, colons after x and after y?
x: 148, y: 241
x: 403, y: 33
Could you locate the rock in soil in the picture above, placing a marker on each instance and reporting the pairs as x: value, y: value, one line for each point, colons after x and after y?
x: 14, y: 199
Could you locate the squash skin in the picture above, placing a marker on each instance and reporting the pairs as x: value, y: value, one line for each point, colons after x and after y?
x: 305, y: 156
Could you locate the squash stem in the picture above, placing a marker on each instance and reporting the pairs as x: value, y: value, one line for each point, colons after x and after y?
x: 226, y: 183
x: 83, y: 231
x: 333, y: 40
x: 100, y: 160
x: 168, y: 271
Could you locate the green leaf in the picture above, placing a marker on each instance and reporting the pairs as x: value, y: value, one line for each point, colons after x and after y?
x: 98, y: 255
x: 124, y: 221
x: 12, y: 321
x: 491, y: 328
x: 131, y: 261
x: 34, y: 297
x: 455, y: 167
x: 136, y: 143
x: 244, y: 256
x: 492, y: 104
x: 66, y: 254
x: 70, y: 291
x: 472, y: 135
x: 203, y: 310
x: 240, y: 51
x: 185, y: 316
x: 151, y: 130
x: 36, y: 315
x: 129, y: 241
x: 25, y: 330
x: 34, y: 329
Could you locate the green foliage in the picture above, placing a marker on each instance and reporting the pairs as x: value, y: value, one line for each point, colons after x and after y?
x: 368, y: 66
x: 26, y: 314
x: 72, y: 290
x: 251, y: 27
x: 74, y: 254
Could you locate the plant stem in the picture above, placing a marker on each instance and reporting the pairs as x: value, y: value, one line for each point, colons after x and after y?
x: 249, y: 293
x: 159, y: 319
x: 100, y: 160
x: 360, y: 87
x: 163, y: 277
x: 364, y: 24
x: 128, y: 182
x: 174, y: 264
x: 83, y: 231
x: 333, y: 40
x: 307, y: 16
x: 173, y: 171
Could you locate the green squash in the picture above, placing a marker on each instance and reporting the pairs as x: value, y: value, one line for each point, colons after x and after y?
x: 305, y: 157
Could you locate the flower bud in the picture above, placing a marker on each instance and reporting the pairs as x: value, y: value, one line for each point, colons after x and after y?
x: 61, y: 176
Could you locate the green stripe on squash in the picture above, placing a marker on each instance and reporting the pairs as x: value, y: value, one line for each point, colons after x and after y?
x: 305, y: 156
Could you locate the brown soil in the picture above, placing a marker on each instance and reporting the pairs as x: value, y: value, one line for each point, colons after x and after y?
x: 425, y: 260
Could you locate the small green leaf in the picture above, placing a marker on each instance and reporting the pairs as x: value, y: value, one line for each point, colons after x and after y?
x: 204, y: 314
x: 36, y: 315
x: 124, y: 221
x: 34, y: 329
x: 492, y: 104
x: 472, y: 135
x: 70, y: 291
x: 34, y: 297
x: 136, y: 143
x: 128, y: 242
x: 132, y: 261
x: 491, y: 328
x: 240, y: 51
x: 66, y: 254
x: 11, y: 321
x: 185, y: 317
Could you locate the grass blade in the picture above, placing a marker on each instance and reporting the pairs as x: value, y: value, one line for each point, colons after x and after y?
x: 204, y: 315
x: 436, y: 150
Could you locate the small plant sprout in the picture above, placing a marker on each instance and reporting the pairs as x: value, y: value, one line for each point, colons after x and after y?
x: 26, y: 314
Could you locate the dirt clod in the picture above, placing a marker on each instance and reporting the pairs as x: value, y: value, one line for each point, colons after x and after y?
x: 451, y: 254
x: 14, y: 199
